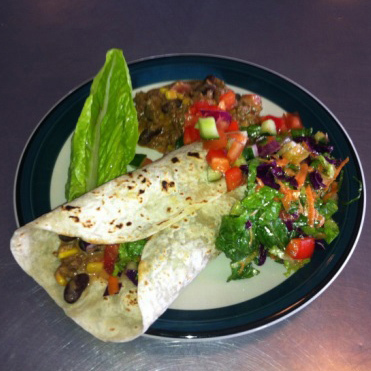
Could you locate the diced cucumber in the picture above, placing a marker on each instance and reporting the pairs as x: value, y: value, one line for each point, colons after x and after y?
x: 207, y: 127
x: 321, y: 137
x: 269, y: 127
x: 138, y: 160
x: 213, y: 175
x: 253, y: 131
x: 250, y: 152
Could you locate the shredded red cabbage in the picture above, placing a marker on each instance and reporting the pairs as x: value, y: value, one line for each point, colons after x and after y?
x: 132, y: 274
x: 245, y: 169
x: 314, y: 146
x: 262, y: 255
x: 264, y: 173
x: 269, y: 149
x: 289, y: 225
x: 268, y: 172
x: 216, y: 114
x: 280, y: 175
x: 316, y: 180
x: 248, y: 224
x: 333, y: 161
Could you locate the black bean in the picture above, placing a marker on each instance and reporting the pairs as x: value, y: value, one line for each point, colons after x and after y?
x: 83, y: 245
x: 147, y: 135
x: 166, y: 107
x: 76, y: 287
x: 66, y: 238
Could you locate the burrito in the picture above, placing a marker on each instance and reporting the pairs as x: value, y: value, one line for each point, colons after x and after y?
x: 170, y: 203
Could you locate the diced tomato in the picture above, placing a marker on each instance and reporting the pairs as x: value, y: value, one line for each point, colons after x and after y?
x: 216, y: 143
x: 222, y: 124
x: 191, y: 134
x: 280, y: 122
x: 293, y: 121
x: 113, y: 285
x: 227, y: 100
x: 191, y: 119
x: 215, y: 153
x: 301, y: 248
x: 220, y: 164
x: 217, y: 159
x: 239, y: 136
x: 233, y: 178
x: 235, y: 151
x: 197, y: 106
x: 110, y: 256
x: 233, y: 126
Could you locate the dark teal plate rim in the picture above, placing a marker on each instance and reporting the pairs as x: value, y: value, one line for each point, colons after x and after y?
x: 32, y: 189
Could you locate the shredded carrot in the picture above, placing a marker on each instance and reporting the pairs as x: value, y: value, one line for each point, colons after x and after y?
x: 302, y: 174
x: 289, y: 195
x: 337, y: 172
x: 321, y: 219
x: 333, y: 189
x: 310, y: 169
x: 282, y: 162
x: 113, y: 285
x: 310, y: 202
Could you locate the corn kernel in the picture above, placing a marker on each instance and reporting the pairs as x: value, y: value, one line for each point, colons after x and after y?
x: 65, y: 253
x: 171, y: 94
x: 186, y: 101
x: 179, y: 95
x: 60, y: 279
x: 163, y: 90
x: 94, y: 267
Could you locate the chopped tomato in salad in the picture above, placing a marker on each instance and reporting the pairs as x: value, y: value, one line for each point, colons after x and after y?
x: 291, y: 184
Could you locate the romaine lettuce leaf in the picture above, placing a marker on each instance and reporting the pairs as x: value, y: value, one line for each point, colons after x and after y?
x: 106, y: 133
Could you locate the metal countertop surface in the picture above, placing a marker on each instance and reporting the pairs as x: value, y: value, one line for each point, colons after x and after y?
x: 50, y: 47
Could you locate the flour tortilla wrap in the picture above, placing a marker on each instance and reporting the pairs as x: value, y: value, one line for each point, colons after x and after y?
x: 139, y: 204
x: 182, y: 240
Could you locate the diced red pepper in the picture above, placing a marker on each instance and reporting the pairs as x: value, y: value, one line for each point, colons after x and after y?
x: 227, y: 100
x: 301, y: 248
x: 233, y: 178
x: 110, y: 255
x: 235, y: 151
x: 233, y: 126
x: 216, y: 143
x: 191, y: 134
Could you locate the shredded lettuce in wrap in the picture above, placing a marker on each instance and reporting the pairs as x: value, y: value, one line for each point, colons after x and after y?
x: 106, y: 133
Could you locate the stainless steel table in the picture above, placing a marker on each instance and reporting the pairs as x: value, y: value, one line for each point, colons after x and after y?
x: 49, y: 47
